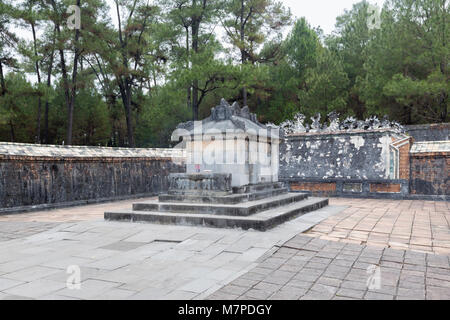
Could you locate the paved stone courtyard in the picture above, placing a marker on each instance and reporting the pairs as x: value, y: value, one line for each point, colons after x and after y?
x: 399, y: 224
x: 149, y: 261
x: 71, y: 214
x: 308, y: 268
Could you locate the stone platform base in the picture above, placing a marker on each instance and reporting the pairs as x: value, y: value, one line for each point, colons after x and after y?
x: 261, y: 221
x: 258, y: 207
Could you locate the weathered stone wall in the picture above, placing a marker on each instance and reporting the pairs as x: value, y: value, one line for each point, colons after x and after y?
x: 430, y: 173
x: 36, y: 180
x: 356, y: 155
x: 364, y: 163
x: 429, y: 132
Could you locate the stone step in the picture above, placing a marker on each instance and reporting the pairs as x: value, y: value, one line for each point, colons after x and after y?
x: 231, y: 199
x: 261, y: 221
x: 258, y: 187
x: 242, y: 209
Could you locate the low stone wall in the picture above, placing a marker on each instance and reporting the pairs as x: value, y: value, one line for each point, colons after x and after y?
x: 356, y: 163
x: 375, y: 162
x: 366, y: 164
x: 353, y: 155
x: 430, y: 168
x: 429, y: 132
x: 361, y: 164
x: 46, y: 175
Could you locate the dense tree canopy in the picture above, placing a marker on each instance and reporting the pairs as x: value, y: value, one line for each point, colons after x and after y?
x: 135, y: 69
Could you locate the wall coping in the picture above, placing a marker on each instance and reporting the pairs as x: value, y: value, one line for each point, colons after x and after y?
x: 8, y: 150
x: 430, y: 147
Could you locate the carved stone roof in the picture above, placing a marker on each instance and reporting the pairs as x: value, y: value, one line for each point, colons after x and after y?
x: 227, y: 117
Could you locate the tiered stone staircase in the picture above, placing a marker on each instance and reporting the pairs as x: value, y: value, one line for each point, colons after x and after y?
x: 259, y: 207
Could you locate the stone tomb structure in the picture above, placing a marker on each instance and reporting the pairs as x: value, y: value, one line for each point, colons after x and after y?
x: 231, y: 141
x: 231, y: 177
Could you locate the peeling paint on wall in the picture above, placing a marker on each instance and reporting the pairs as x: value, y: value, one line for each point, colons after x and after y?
x: 357, y: 141
x: 361, y: 155
x: 384, y: 144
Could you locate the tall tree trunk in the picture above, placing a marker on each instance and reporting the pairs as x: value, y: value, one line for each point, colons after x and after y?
x: 47, y: 103
x: 443, y: 102
x: 73, y: 92
x: 47, y: 106
x: 125, y: 83
x: 38, y: 73
x: 244, y: 96
x: 2, y: 93
x: 2, y: 80
x: 195, y: 100
x: 74, y: 86
x: 66, y: 87
x: 38, y: 122
x: 63, y: 69
x: 129, y: 117
x: 195, y: 31
x: 125, y: 93
x: 242, y: 34
x: 443, y: 64
x: 70, y: 93
x: 11, y: 127
x: 49, y: 84
x: 188, y: 96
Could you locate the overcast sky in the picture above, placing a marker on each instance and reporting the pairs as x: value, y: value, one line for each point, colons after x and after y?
x: 322, y: 13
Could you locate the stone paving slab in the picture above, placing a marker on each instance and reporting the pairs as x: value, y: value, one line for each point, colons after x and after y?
x: 35, y: 289
x: 64, y: 215
x: 308, y: 268
x: 399, y: 224
x: 10, y: 230
x: 147, y: 261
x: 132, y: 260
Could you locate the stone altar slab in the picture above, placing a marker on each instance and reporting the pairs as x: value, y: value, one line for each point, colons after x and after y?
x: 200, y: 184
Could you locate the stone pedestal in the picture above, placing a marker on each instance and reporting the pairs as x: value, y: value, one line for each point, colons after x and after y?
x: 200, y: 184
x: 232, y: 141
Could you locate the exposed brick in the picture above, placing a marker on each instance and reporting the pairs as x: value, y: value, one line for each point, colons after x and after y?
x: 404, y: 162
x: 314, y: 187
x: 385, y: 187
